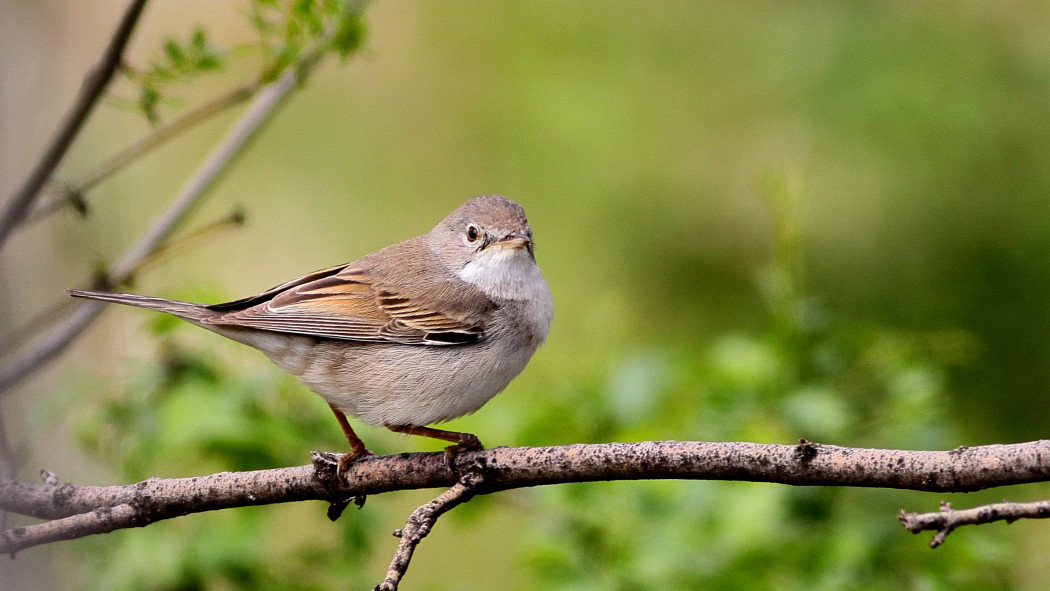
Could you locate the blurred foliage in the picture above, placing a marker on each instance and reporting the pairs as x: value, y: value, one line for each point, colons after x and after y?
x: 180, y: 62
x: 802, y: 375
x: 288, y: 31
x: 188, y: 414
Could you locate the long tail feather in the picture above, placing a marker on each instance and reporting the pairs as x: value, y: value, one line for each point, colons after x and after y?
x: 185, y: 310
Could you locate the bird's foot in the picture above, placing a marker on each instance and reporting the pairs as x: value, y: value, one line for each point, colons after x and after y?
x: 343, y: 464
x: 467, y: 442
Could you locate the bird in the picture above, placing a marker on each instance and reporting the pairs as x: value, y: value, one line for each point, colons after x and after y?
x: 420, y: 332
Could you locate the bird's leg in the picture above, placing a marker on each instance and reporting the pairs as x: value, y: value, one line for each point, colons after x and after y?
x: 463, y: 441
x: 357, y: 447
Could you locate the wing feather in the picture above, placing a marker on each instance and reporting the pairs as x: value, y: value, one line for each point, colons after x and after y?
x: 349, y: 303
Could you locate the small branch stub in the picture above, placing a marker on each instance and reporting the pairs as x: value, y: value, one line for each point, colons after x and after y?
x: 421, y: 522
x: 947, y: 519
x: 805, y: 451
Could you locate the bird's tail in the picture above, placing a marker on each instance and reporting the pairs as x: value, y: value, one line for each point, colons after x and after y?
x: 184, y: 310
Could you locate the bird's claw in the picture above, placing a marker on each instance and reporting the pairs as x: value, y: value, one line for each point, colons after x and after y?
x: 467, y: 443
x: 342, y: 465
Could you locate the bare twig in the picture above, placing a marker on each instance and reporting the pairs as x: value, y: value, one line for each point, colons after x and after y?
x: 259, y: 111
x: 263, y: 106
x: 8, y: 465
x: 18, y: 337
x: 74, y: 192
x: 50, y: 346
x: 244, y: 129
x: 15, y: 210
x: 805, y: 464
x: 421, y: 522
x: 8, y: 462
x: 170, y: 248
x: 99, y: 521
x: 947, y: 519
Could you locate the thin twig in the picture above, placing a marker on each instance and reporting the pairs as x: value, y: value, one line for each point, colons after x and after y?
x: 266, y: 101
x: 18, y: 337
x: 170, y: 248
x: 8, y: 461
x: 74, y: 192
x: 259, y: 112
x: 95, y: 84
x: 421, y: 522
x: 804, y: 464
x: 947, y: 519
x: 100, y: 521
x: 244, y: 129
x: 50, y: 346
x: 8, y: 465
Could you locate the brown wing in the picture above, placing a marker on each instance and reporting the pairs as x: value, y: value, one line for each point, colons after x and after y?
x: 347, y: 303
x: 269, y: 294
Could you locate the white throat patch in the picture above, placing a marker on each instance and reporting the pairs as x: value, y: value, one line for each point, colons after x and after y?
x: 508, y: 273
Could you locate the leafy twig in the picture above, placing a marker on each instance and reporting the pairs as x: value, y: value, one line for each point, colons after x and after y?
x: 259, y: 111
x: 947, y: 519
x: 73, y: 193
x: 18, y: 205
x: 339, y: 32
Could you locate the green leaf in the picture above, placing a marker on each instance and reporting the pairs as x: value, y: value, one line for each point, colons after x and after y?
x: 350, y: 35
x: 198, y: 39
x: 174, y: 52
x: 148, y: 99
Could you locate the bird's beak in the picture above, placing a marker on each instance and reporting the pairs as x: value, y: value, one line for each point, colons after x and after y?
x: 514, y: 241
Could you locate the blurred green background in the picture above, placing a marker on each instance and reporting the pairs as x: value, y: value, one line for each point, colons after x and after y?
x: 759, y: 221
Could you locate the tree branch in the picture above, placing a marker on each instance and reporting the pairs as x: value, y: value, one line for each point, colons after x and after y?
x: 56, y: 313
x: 100, y: 521
x: 422, y: 521
x: 265, y: 103
x: 259, y: 111
x: 804, y: 464
x: 74, y: 192
x: 947, y: 519
x: 94, y: 85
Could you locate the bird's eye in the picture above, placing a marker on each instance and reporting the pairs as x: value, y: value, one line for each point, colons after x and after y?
x: 473, y: 233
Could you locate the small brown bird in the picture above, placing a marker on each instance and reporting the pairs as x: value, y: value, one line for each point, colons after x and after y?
x: 420, y: 332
